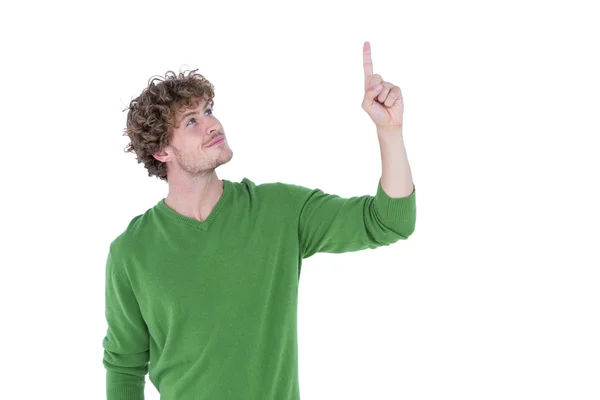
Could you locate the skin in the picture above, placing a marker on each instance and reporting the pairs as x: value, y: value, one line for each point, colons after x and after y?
x: 383, y: 100
x: 194, y: 187
x: 384, y: 103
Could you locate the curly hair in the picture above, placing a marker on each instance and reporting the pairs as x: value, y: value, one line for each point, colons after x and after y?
x: 151, y: 116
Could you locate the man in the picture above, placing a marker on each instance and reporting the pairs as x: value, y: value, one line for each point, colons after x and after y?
x: 201, y: 289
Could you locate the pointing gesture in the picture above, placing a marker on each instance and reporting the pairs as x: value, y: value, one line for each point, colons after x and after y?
x: 383, y: 100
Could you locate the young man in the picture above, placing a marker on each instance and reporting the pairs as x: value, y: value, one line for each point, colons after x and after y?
x: 201, y: 289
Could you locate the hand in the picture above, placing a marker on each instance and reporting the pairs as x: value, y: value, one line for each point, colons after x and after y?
x: 383, y: 100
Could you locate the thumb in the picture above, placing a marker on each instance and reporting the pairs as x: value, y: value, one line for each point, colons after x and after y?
x: 370, y: 97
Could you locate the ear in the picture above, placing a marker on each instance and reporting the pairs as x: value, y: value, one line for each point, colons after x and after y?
x: 161, y: 156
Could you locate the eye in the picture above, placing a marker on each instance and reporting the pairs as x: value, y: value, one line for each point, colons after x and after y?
x: 194, y: 119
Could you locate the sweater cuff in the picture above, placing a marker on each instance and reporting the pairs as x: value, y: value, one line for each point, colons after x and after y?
x: 125, y: 393
x: 124, y: 387
x: 396, y: 209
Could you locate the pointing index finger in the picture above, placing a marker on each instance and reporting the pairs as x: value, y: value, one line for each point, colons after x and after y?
x: 367, y: 62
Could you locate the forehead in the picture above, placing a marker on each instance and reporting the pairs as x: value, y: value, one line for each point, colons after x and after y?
x: 202, y: 103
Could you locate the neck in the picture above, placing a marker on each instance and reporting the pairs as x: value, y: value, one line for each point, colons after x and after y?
x: 194, y: 197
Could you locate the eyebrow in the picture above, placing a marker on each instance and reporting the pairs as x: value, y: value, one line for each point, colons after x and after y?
x: 208, y: 104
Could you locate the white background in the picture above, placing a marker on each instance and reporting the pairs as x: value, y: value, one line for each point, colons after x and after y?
x: 496, y: 294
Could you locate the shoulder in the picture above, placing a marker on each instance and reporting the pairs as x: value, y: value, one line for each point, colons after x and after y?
x: 265, y: 189
x: 128, y: 239
x: 276, y: 195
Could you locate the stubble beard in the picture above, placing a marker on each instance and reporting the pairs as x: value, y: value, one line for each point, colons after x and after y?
x: 199, y: 168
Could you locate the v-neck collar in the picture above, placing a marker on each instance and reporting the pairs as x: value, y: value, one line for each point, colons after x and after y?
x: 162, y: 207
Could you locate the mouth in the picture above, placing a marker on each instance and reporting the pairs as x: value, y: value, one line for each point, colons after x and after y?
x: 217, y: 141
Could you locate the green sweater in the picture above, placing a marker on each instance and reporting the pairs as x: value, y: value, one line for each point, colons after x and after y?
x: 209, y: 308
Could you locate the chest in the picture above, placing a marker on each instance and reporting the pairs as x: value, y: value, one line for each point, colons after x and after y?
x: 216, y: 284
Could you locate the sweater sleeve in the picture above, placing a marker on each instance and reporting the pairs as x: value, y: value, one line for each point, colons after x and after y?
x: 126, y: 344
x: 331, y: 224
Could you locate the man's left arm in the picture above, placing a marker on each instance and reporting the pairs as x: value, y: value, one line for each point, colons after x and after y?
x: 384, y: 103
x: 332, y: 224
x: 329, y: 223
x: 396, y: 177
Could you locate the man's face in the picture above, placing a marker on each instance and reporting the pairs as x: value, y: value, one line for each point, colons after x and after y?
x: 189, y: 150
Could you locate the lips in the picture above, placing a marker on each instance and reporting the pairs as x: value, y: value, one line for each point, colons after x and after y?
x: 218, y: 139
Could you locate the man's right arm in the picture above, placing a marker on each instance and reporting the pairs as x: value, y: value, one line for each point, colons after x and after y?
x: 126, y: 344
